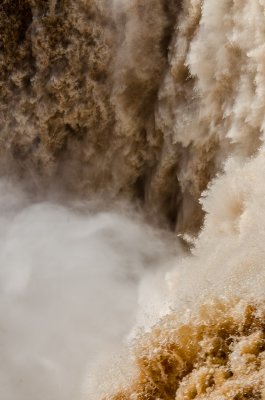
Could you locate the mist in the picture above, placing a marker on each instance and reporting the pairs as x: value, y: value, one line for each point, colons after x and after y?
x: 68, y: 284
x: 157, y: 105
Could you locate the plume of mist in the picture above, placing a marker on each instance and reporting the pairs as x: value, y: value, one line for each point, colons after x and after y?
x: 162, y: 103
x: 68, y: 284
x: 210, y: 345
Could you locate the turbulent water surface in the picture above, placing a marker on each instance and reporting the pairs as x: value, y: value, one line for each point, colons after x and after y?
x: 132, y: 199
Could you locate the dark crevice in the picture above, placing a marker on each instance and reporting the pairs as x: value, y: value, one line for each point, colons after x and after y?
x: 171, y: 10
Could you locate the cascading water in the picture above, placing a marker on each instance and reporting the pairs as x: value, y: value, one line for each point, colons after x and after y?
x: 158, y: 104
